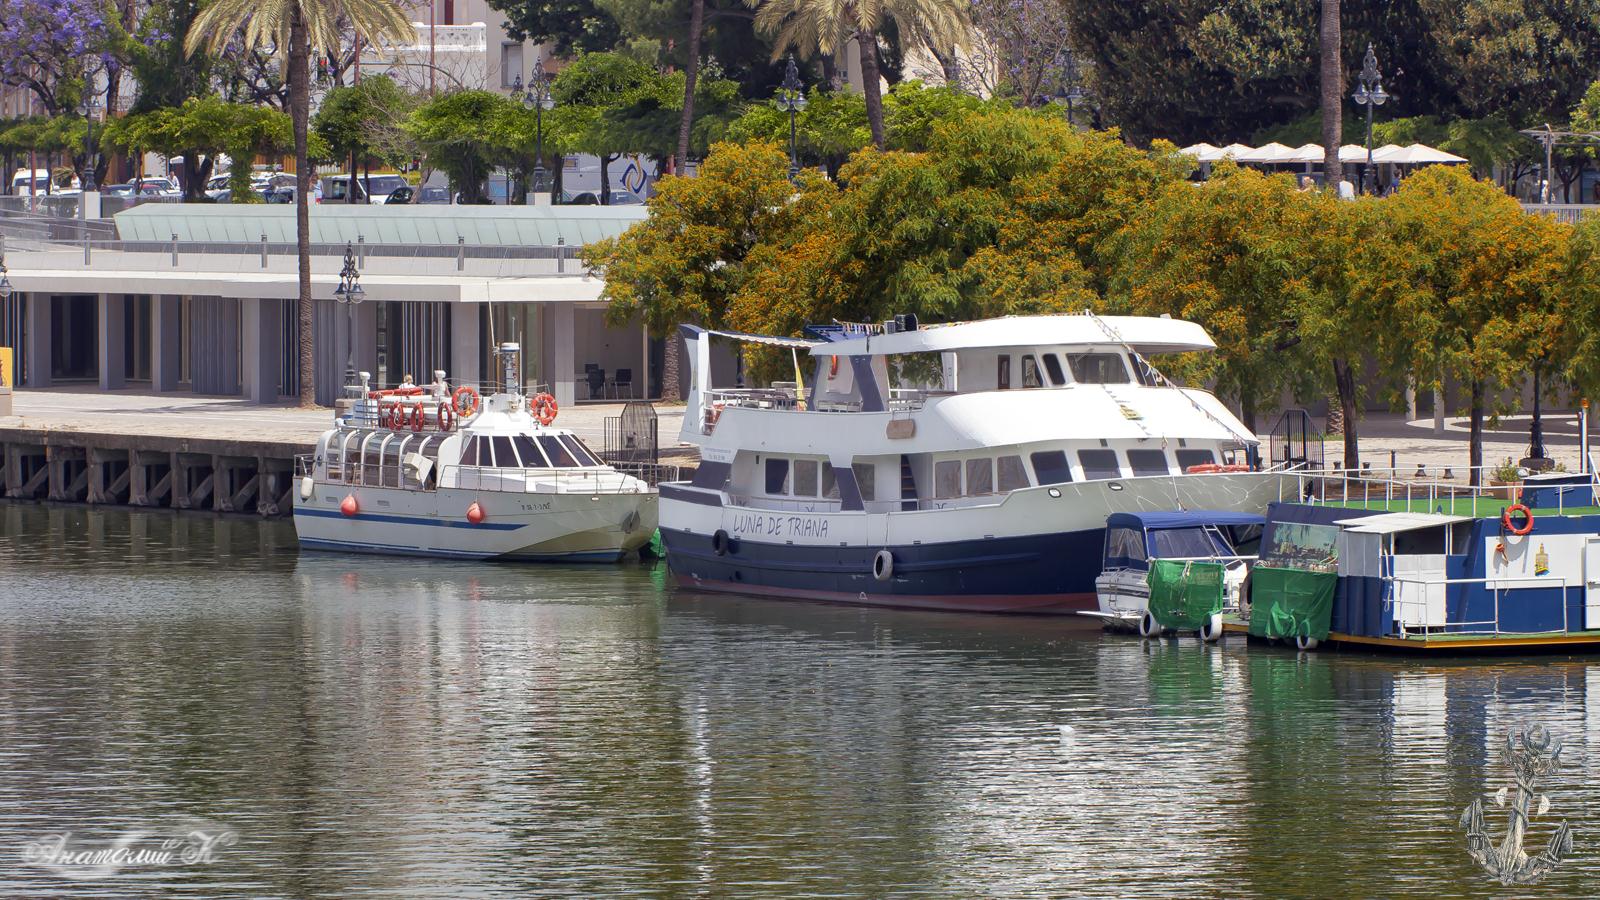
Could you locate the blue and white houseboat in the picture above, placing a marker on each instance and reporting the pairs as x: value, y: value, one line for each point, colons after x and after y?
x: 968, y: 466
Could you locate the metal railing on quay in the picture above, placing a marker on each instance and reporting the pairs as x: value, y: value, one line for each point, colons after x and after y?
x: 651, y: 473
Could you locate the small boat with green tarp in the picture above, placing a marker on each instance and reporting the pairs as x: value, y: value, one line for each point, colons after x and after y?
x: 1175, y: 571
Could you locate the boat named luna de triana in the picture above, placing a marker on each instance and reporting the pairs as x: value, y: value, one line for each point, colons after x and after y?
x: 985, y: 486
x: 419, y: 470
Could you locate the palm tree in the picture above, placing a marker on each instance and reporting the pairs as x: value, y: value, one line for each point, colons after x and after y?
x: 691, y: 74
x: 827, y: 25
x: 292, y: 28
x: 1332, y: 94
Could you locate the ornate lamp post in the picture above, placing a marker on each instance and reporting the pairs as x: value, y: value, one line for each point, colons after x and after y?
x: 1074, y: 92
x: 350, y: 293
x: 792, y: 99
x: 537, y: 98
x: 1370, y: 94
x: 89, y: 106
x: 5, y: 281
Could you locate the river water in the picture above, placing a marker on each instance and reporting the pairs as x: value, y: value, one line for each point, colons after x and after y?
x: 352, y: 727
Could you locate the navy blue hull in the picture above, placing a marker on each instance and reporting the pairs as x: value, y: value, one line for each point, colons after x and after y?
x: 1050, y: 573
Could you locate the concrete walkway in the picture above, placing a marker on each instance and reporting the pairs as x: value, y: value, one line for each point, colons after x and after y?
x: 1414, y: 443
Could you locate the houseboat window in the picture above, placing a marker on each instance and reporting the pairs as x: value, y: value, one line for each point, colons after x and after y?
x: 980, y: 474
x: 1097, y: 368
x: 1148, y: 462
x: 558, y: 455
x: 1124, y: 543
x: 805, y: 478
x: 579, y: 451
x: 1012, y: 476
x: 866, y: 480
x: 529, y: 451
x: 830, y: 484
x: 947, y: 479
x: 1422, y: 542
x: 1003, y: 376
x: 1052, y: 365
x: 1050, y: 467
x: 1099, y: 463
x: 1187, y: 543
x: 1030, y: 372
x: 777, y: 476
x: 1187, y: 458
x: 504, y: 456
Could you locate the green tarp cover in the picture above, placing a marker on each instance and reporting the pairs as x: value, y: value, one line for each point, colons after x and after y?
x: 1287, y: 603
x: 1184, y: 593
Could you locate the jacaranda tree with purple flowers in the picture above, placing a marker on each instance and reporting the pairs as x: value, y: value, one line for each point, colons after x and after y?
x: 53, y: 47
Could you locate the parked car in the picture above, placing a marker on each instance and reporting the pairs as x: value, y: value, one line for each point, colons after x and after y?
x: 619, y: 197
x: 430, y: 194
x: 117, y: 190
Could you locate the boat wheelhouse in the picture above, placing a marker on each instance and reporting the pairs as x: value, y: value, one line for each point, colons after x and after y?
x: 964, y: 466
x: 427, y: 471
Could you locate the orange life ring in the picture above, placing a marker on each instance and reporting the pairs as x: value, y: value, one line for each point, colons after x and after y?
x: 545, y: 408
x: 833, y: 366
x: 418, y: 418
x: 1518, y: 509
x: 1234, y: 467
x: 1203, y: 469
x: 465, y: 410
x: 447, y: 417
x: 394, y: 419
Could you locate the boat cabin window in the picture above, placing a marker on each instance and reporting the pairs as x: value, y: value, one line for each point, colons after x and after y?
x: 866, y: 480
x: 777, y: 476
x: 1052, y: 365
x: 1148, y: 462
x: 469, y: 451
x: 1030, y: 372
x: 1011, y: 475
x: 1124, y: 543
x: 529, y: 451
x: 1098, y: 368
x: 504, y: 456
x: 947, y: 479
x: 805, y: 478
x: 830, y: 484
x: 1187, y: 543
x: 1187, y: 458
x: 579, y: 452
x: 1003, y: 376
x: 1422, y: 542
x: 559, y: 455
x: 1050, y: 467
x: 1099, y: 464
x: 980, y: 476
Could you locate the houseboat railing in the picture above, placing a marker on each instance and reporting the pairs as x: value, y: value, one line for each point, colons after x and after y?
x: 1384, y: 487
x: 1396, y: 605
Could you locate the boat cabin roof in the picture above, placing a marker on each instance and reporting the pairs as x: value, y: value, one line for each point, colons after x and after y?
x: 1145, y: 334
x: 1393, y: 523
x: 1192, y: 518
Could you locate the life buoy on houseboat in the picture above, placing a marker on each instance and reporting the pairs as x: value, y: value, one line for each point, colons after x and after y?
x: 1212, y: 468
x: 418, y: 418
x: 1520, y: 510
x: 545, y: 408
x: 447, y: 417
x: 466, y: 409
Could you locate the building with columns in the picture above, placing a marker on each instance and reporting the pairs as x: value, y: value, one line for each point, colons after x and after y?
x: 200, y: 298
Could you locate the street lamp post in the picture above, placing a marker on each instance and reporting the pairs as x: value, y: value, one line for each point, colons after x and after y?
x: 88, y: 141
x: 537, y: 98
x: 1074, y: 92
x: 1369, y: 94
x: 350, y: 293
x: 792, y: 99
x: 5, y: 279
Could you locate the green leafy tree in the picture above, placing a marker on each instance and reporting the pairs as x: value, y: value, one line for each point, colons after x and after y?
x: 463, y: 134
x: 294, y: 29
x: 594, y: 85
x: 201, y: 130
x: 366, y: 122
x: 563, y: 26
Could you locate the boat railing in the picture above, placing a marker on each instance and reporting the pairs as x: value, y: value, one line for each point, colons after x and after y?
x: 523, y: 481
x: 1397, y: 606
x: 1394, y: 489
x: 651, y: 473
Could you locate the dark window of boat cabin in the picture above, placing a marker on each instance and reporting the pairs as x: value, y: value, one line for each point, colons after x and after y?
x: 1145, y: 373
x: 469, y: 451
x: 1124, y: 544
x: 529, y: 451
x: 777, y: 476
x: 1052, y: 365
x: 504, y: 456
x: 947, y: 479
x: 578, y: 450
x: 559, y: 456
x: 1421, y: 542
x: 1030, y: 372
x: 805, y: 478
x: 1148, y: 462
x: 1050, y: 467
x: 1187, y: 458
x: 830, y: 484
x: 1003, y: 375
x: 1099, y: 464
x: 866, y: 480
x: 1098, y: 368
x: 980, y: 476
x: 1011, y: 475
x: 1187, y: 543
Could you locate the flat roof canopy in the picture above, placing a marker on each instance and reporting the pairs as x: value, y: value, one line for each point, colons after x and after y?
x: 411, y: 224
x: 1147, y: 334
x: 1391, y: 523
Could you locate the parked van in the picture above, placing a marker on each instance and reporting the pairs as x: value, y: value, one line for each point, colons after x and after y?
x: 40, y: 178
x: 381, y: 186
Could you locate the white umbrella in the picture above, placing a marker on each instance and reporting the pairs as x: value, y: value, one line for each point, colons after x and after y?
x: 1200, y: 150
x: 1416, y: 154
x: 1306, y: 153
x: 1353, y: 153
x: 1270, y: 153
x: 1378, y: 153
x: 1219, y: 153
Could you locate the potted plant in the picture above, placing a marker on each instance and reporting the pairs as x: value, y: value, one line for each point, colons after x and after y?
x: 1505, y: 480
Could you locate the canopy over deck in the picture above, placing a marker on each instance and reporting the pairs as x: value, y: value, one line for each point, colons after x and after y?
x: 1393, y: 523
x: 1146, y: 334
x: 1191, y: 518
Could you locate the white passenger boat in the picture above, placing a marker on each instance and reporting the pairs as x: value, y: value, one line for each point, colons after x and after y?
x: 424, y: 471
x: 968, y: 466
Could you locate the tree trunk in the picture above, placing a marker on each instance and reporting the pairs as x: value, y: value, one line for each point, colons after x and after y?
x: 867, y: 43
x: 691, y: 73
x: 831, y: 74
x: 1475, y: 442
x: 1344, y: 377
x: 950, y: 65
x: 1332, y: 94
x: 669, y: 369
x: 605, y: 178
x: 300, y: 115
x: 350, y: 189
